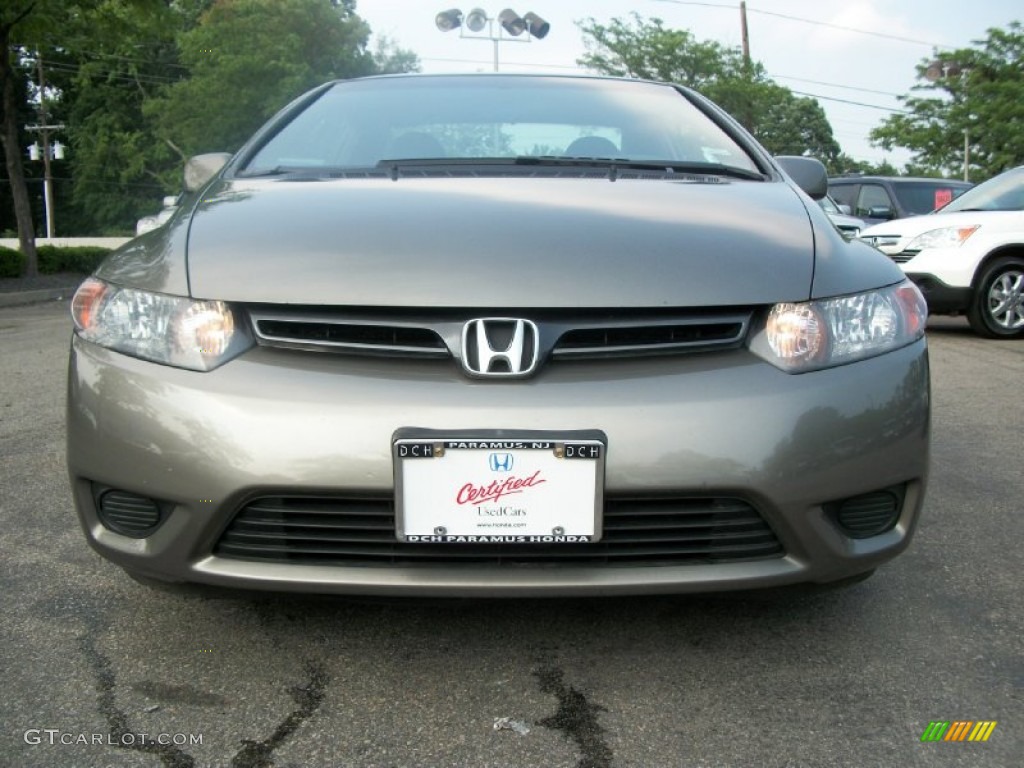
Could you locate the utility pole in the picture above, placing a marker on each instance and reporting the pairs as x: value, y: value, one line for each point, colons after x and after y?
x: 745, y: 35
x: 967, y: 152
x: 48, y: 151
x: 747, y: 114
x: 44, y: 129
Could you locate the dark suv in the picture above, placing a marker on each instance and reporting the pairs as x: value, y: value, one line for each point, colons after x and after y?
x: 881, y: 198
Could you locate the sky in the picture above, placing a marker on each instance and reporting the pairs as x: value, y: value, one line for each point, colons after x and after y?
x: 840, y: 51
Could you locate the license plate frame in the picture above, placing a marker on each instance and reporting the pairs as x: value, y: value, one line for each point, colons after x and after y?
x: 506, y: 488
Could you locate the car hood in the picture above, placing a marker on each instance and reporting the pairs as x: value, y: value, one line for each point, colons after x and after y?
x: 501, y: 242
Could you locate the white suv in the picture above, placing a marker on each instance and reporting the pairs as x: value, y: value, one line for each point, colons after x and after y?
x: 967, y: 257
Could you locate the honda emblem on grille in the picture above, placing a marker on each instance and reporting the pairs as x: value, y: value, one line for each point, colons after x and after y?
x: 500, y: 346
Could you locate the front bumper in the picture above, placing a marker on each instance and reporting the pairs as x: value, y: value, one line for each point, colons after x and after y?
x: 942, y: 299
x: 280, y: 422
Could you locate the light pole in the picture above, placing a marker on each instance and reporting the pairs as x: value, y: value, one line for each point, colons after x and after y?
x: 939, y: 70
x: 477, y: 25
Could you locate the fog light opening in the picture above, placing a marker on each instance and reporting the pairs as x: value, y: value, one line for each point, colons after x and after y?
x: 867, y: 515
x: 128, y: 514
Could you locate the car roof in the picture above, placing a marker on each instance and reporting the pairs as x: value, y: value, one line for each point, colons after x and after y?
x: 896, y: 180
x: 511, y: 75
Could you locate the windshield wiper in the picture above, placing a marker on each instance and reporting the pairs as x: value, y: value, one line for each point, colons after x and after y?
x: 279, y: 170
x: 669, y: 166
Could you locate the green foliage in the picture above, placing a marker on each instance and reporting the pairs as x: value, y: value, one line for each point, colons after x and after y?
x: 53, y: 259
x: 388, y: 59
x: 980, y: 91
x: 247, y: 59
x: 81, y: 258
x: 646, y: 49
x: 846, y: 164
x: 11, y: 262
x: 781, y: 121
x: 143, y: 84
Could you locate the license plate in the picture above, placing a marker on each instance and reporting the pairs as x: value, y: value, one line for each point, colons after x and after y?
x: 480, y: 491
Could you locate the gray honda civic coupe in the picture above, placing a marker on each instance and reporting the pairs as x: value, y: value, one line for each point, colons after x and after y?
x: 498, y: 335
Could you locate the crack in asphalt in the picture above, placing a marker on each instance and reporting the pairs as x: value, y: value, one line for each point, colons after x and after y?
x: 117, y: 721
x: 253, y: 754
x: 259, y: 754
x: 576, y: 718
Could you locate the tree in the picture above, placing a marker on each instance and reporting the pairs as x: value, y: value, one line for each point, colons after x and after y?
x: 248, y: 58
x: 142, y: 84
x: 783, y: 122
x: 30, y: 29
x: 21, y: 21
x: 119, y: 171
x: 844, y: 164
x: 978, y: 92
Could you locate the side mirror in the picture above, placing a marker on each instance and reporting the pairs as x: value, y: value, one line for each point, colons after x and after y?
x: 201, y: 168
x: 808, y: 173
x: 881, y: 212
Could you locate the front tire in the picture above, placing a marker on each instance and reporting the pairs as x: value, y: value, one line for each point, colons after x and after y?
x: 997, y: 311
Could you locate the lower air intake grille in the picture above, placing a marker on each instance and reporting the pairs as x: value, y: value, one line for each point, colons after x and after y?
x: 360, y: 531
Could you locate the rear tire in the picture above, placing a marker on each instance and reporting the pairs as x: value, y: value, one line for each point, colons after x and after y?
x: 997, y: 310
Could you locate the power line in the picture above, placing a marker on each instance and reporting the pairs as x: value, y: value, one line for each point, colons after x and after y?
x: 883, y: 35
x: 854, y: 103
x: 141, y: 77
x: 77, y: 51
x: 834, y: 85
x: 814, y: 22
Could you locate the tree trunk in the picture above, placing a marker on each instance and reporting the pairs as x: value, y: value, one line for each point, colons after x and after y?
x: 12, y: 153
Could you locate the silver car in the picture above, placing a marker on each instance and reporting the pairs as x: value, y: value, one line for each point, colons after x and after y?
x: 498, y: 335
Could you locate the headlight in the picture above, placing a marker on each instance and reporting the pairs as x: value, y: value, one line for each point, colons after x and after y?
x: 947, y: 237
x: 198, y: 335
x: 821, y: 334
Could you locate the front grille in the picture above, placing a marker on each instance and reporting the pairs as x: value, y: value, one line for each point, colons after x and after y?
x: 361, y: 336
x: 903, y: 256
x: 563, y: 334
x: 641, y: 531
x: 635, y: 339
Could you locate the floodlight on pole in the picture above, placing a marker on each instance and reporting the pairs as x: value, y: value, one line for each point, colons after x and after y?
x: 476, y: 20
x: 536, y: 26
x: 512, y: 22
x: 448, y: 20
x: 507, y: 27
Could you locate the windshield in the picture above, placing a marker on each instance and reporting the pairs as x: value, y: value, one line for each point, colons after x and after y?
x: 1004, y: 192
x: 362, y: 123
x: 920, y: 197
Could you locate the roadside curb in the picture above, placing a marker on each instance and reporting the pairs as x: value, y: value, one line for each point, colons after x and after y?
x: 17, y: 298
